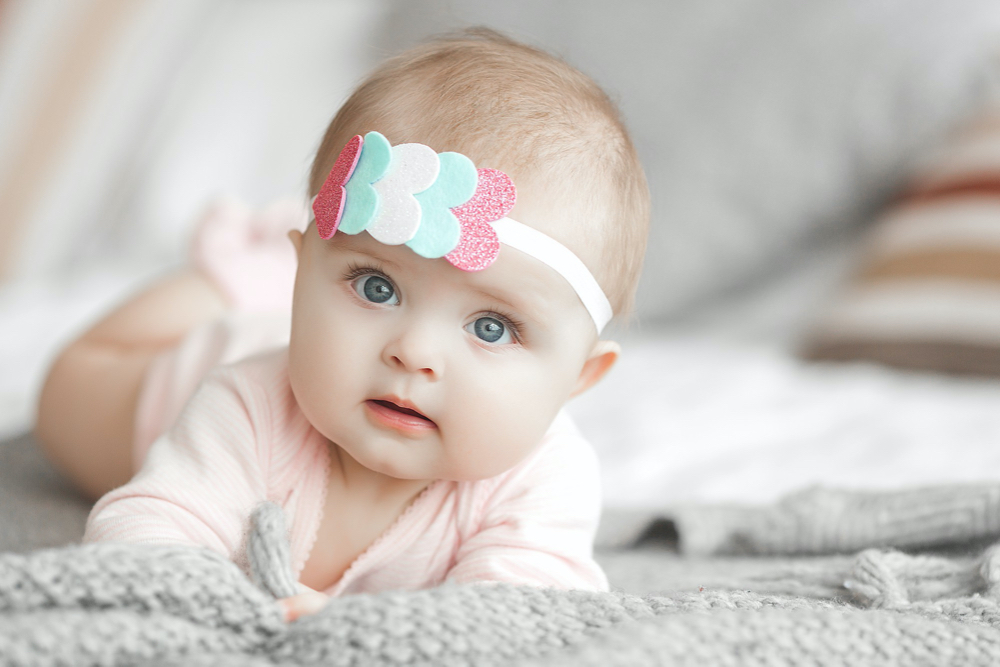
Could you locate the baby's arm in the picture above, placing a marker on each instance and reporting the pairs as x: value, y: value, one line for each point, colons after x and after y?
x: 199, y: 482
x: 538, y: 528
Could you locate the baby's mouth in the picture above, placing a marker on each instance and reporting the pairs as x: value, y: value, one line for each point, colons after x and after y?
x: 405, y: 415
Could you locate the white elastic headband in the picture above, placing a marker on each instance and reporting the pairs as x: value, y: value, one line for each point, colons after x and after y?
x: 440, y: 205
x: 563, y: 261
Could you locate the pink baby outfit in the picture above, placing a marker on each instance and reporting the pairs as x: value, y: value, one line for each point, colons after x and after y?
x: 214, y: 438
x: 242, y: 439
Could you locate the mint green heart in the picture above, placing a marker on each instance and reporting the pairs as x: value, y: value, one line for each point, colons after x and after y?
x: 360, y: 198
x: 439, y: 229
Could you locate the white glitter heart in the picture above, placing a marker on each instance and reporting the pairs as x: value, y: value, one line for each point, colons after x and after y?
x: 414, y: 168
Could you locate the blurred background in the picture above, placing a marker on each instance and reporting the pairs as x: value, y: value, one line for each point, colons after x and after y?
x: 825, y: 250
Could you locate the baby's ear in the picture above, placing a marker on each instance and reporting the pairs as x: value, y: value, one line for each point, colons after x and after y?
x: 601, y: 359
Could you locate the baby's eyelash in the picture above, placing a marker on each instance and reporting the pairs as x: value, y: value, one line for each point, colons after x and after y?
x: 355, y: 270
x: 515, y: 325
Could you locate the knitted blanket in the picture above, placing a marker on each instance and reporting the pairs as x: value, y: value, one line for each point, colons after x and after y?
x: 111, y: 604
x: 798, y: 582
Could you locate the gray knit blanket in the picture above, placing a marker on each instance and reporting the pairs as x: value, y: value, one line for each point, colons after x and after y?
x: 111, y: 604
x: 707, y: 586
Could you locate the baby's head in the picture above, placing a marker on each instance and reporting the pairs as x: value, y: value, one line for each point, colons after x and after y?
x: 419, y: 369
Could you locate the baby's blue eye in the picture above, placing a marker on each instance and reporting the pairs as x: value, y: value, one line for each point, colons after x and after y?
x: 375, y: 288
x: 490, y: 330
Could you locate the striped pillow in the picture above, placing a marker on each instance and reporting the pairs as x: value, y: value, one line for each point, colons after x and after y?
x: 927, y: 293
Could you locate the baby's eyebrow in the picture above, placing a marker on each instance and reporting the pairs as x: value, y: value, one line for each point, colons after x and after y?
x: 519, y: 309
x: 377, y: 258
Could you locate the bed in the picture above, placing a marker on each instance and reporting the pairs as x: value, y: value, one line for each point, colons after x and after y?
x: 759, y: 508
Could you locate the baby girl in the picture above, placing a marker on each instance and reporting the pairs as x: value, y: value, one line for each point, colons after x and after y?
x: 479, y: 216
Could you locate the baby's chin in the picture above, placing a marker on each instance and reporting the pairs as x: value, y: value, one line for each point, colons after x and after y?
x: 384, y: 463
x: 435, y: 470
x: 477, y: 471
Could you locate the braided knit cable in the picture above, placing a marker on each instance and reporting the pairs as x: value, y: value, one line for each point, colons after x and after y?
x: 269, y: 552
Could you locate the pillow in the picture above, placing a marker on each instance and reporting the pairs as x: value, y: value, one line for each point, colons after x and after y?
x: 926, y: 294
x: 764, y: 126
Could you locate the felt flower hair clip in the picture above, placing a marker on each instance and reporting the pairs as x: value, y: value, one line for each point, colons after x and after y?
x: 439, y: 205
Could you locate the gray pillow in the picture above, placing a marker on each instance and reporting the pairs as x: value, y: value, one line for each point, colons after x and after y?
x: 764, y: 125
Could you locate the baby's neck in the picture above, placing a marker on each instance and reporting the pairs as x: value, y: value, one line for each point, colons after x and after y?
x: 366, y: 484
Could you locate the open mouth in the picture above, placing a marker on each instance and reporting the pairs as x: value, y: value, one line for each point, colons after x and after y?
x: 398, y: 416
x: 399, y: 408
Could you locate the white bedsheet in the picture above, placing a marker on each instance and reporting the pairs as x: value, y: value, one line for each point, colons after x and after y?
x: 689, y: 419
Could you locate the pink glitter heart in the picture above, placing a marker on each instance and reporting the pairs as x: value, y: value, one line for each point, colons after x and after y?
x: 329, y: 204
x: 478, y: 245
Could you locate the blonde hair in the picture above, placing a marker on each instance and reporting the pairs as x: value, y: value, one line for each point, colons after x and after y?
x: 513, y: 107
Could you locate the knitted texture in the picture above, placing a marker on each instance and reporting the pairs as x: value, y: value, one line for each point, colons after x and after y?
x: 118, y: 604
x: 821, y: 520
x: 269, y: 553
x: 125, y: 604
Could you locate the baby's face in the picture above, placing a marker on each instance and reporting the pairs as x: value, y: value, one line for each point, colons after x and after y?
x: 419, y: 370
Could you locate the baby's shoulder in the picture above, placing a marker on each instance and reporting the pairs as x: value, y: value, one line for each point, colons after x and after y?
x: 261, y: 396
x: 261, y: 375
x: 262, y: 368
x: 260, y: 383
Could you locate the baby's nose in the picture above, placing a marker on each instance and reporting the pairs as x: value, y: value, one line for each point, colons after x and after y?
x: 417, y: 350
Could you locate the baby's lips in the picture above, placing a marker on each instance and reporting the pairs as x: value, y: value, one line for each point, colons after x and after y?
x: 401, y: 404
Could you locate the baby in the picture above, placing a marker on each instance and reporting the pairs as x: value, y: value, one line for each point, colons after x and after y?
x: 480, y: 214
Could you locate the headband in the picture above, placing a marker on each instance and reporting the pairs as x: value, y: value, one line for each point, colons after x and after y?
x: 440, y: 205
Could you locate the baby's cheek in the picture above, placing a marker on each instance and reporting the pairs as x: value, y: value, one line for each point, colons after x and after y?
x: 494, y: 432
x: 325, y: 366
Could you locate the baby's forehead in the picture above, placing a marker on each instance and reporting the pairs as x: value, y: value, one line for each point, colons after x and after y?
x: 517, y: 280
x: 564, y: 213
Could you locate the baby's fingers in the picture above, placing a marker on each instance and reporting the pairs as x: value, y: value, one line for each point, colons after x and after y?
x: 302, y: 604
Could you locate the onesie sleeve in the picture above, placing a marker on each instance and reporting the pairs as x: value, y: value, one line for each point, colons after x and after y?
x: 537, y: 526
x: 200, y: 480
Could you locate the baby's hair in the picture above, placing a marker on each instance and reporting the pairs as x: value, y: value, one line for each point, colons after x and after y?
x: 513, y: 107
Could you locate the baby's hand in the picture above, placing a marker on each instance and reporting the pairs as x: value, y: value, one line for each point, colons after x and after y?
x: 302, y: 604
